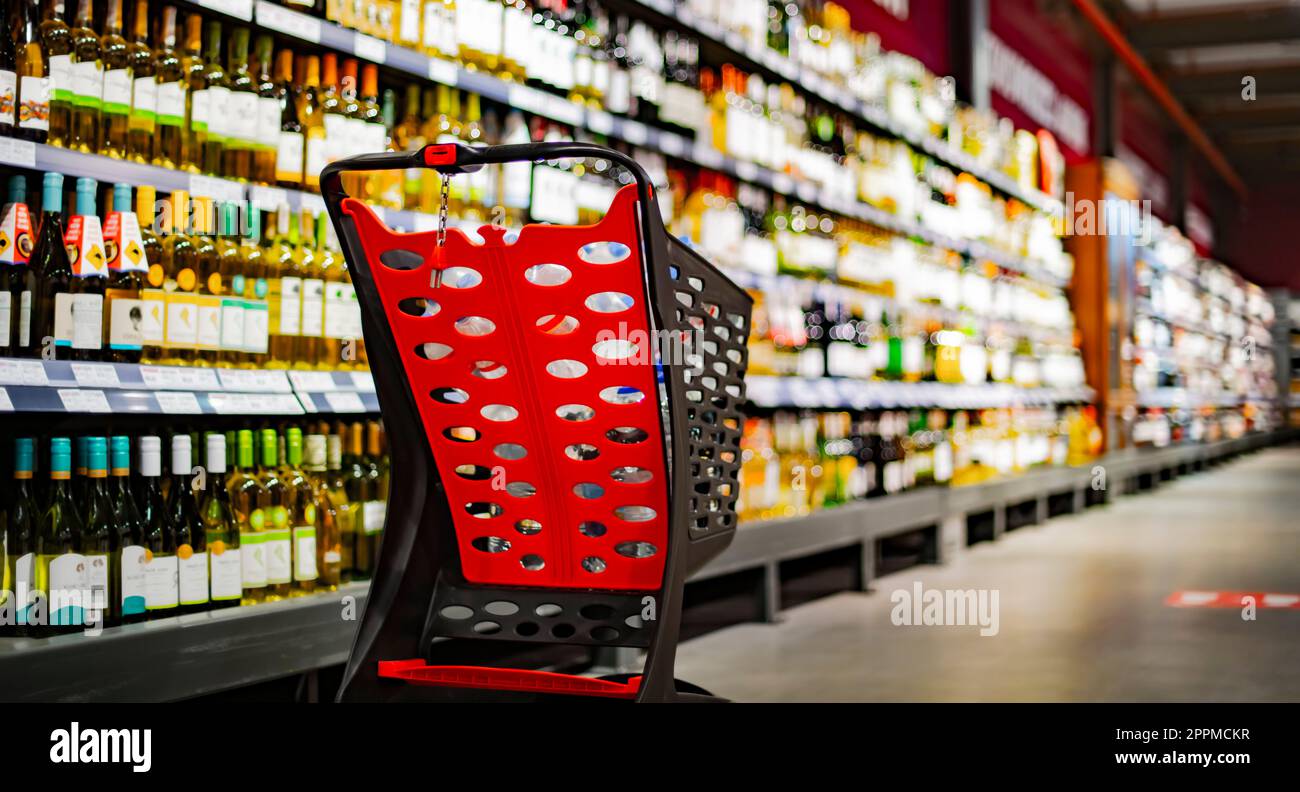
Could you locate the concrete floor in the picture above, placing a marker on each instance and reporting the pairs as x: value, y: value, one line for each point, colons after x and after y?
x: 1082, y: 614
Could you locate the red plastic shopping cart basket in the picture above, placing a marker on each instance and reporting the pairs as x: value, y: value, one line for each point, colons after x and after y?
x: 564, y: 407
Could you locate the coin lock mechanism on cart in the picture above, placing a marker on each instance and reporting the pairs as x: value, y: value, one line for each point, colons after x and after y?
x: 554, y: 481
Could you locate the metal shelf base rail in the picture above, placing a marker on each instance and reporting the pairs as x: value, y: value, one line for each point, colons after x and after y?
x: 189, y: 656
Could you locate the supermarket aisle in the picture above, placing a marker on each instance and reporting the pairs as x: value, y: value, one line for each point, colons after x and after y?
x: 1082, y: 614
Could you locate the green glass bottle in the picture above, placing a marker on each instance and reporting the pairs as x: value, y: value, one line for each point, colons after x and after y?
x: 279, y: 553
x: 191, y: 538
x: 221, y: 529
x: 60, y: 569
x: 21, y: 528
x: 303, y: 516
x: 162, y: 597
x: 99, y: 539
x: 85, y: 309
x: 328, y: 555
x: 249, y: 500
x: 52, y: 311
x: 128, y: 527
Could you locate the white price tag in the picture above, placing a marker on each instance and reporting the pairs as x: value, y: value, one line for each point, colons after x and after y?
x: 363, y: 381
x: 312, y: 381
x: 311, y: 202
x: 806, y: 191
x: 345, y: 402
x: 735, y: 41
x: 178, y: 402
x: 254, y: 404
x: 21, y: 153
x: 563, y: 110
x: 634, y: 132
x: 441, y: 71
x: 525, y: 98
x: 254, y: 380
x: 5, y: 404
x: 672, y: 145
x: 708, y: 158
x: 369, y: 48
x: 746, y: 171
x: 600, y: 122
x: 240, y: 9
x: 95, y: 375
x: 782, y: 183
x: 84, y: 401
x: 267, y: 199
x: 22, y: 372
x: 178, y: 378
x: 290, y: 23
x: 217, y: 189
x: 802, y: 394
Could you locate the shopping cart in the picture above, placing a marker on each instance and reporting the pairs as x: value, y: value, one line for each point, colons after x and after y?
x: 564, y: 407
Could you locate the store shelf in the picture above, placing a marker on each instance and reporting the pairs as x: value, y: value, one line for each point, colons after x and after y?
x: 184, y: 656
x: 60, y: 386
x: 1181, y: 397
x: 193, y: 655
x: 558, y: 108
x: 832, y: 392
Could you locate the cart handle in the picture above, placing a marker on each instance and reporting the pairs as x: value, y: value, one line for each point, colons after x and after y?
x: 459, y: 158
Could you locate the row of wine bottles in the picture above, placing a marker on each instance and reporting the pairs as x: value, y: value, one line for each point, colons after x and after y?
x: 175, y: 281
x: 262, y: 515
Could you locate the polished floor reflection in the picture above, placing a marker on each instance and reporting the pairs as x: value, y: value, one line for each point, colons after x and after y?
x: 1082, y: 610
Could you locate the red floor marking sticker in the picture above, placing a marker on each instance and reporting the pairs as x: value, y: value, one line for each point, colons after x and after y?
x: 1231, y: 599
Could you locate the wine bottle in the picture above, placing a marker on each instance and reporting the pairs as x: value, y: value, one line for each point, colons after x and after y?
x: 15, y: 248
x: 116, y: 55
x: 142, y: 124
x: 21, y: 531
x: 240, y: 115
x: 180, y: 267
x: 87, y: 81
x: 309, y: 351
x: 346, y: 512
x: 312, y: 117
x: 328, y: 555
x: 161, y: 570
x: 54, y: 276
x: 60, y: 569
x: 336, y: 324
x: 303, y: 516
x: 233, y: 285
x: 218, y: 120
x: 247, y: 499
x: 128, y: 267
x: 56, y: 51
x: 256, y: 290
x: 221, y: 529
x: 128, y: 531
x: 289, y: 146
x: 84, y: 240
x: 190, y: 534
x: 267, y: 138
x: 99, y: 540
x: 357, y: 485
x: 278, y: 536
x: 286, y: 300
x: 408, y: 137
x: 375, y: 508
x: 193, y: 71
x: 333, y: 116
x: 33, y: 97
x: 9, y: 68
x: 210, y: 284
x: 171, y: 98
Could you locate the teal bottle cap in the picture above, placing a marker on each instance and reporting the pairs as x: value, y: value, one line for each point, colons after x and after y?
x: 121, y: 197
x: 86, y: 196
x: 17, y: 188
x: 120, y: 447
x: 96, y: 454
x: 60, y: 455
x: 52, y: 193
x: 24, y: 452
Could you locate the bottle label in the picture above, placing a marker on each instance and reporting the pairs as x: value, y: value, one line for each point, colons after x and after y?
x: 125, y: 320
x: 352, y: 312
x: 354, y: 139
x: 335, y: 318
x: 84, y: 240
x: 313, y: 307
x: 162, y: 582
x: 67, y: 594
x: 288, y: 157
x: 153, y: 304
x: 209, y: 331
x: 34, y: 103
x: 256, y: 326
x: 226, y: 573
x: 6, y: 316
x: 314, y: 161
x: 290, y: 306
x: 134, y: 589
x: 372, y: 517
x: 60, y: 78
x: 336, y: 133
x: 117, y: 91
x: 193, y: 575
x: 144, y: 102
x: 97, y: 604
x: 279, y: 554
x: 304, y: 552
x: 217, y: 113
x: 252, y: 555
x: 8, y: 96
x: 268, y: 123
x: 79, y: 320
x: 198, y: 110
x: 182, y: 325
x: 232, y: 324
x: 24, y: 586
x: 87, y: 84
x: 123, y: 243
x: 171, y: 103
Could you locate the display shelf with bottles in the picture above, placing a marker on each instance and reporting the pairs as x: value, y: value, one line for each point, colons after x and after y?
x: 150, y: 527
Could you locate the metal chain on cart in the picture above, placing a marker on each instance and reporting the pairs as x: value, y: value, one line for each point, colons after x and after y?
x: 442, y: 209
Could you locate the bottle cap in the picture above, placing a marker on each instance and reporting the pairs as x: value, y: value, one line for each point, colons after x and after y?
x: 151, y: 456
x: 216, y: 453
x: 17, y: 188
x: 24, y: 453
x: 120, y: 450
x: 121, y: 197
x: 293, y: 446
x: 60, y: 456
x: 314, y: 458
x: 97, y: 456
x: 52, y: 193
x: 180, y: 454
x: 86, y: 196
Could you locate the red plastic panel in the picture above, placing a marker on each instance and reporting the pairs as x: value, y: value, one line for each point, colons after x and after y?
x: 483, y: 369
x: 417, y: 672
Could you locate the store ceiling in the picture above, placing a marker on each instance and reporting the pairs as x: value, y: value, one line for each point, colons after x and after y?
x: 1205, y: 50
